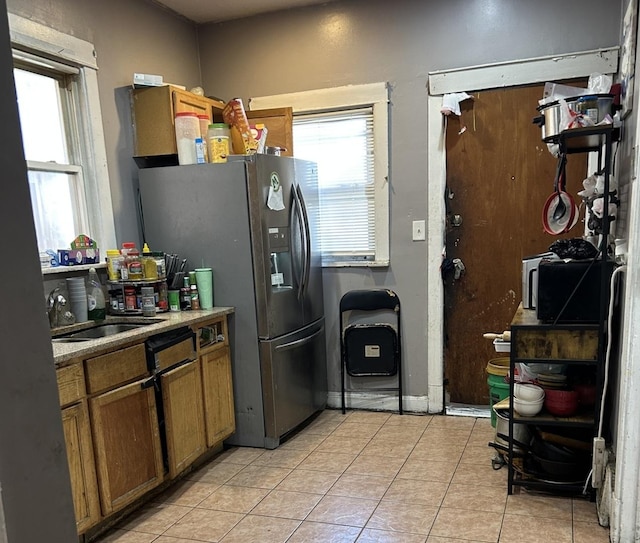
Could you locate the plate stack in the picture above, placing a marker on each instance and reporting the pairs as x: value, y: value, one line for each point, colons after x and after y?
x: 78, y: 298
x: 552, y: 380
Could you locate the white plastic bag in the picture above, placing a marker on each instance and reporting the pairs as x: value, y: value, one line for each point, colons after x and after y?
x: 599, y: 83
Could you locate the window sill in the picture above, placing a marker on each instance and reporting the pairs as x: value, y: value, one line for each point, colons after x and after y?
x: 70, y: 269
x: 359, y: 264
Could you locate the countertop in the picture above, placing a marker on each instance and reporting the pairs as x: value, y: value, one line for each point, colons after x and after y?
x: 162, y: 322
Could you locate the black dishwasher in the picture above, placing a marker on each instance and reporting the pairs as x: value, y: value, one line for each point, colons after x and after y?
x: 165, y: 352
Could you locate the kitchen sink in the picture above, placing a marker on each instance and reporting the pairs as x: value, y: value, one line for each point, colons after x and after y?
x: 101, y: 331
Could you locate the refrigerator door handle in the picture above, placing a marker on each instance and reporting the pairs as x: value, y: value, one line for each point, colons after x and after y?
x: 297, y: 213
x: 306, y: 241
x: 299, y: 342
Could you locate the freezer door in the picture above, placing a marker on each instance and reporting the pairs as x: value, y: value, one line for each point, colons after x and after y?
x: 294, y: 380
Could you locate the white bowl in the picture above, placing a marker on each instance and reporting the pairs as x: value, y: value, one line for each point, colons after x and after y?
x: 526, y: 408
x: 528, y: 392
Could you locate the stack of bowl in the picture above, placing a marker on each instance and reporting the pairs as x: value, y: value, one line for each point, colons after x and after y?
x: 78, y: 298
x: 528, y: 399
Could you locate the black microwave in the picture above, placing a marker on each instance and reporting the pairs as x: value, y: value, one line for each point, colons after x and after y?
x: 570, y: 290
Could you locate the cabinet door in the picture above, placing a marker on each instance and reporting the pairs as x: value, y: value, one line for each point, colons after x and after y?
x: 279, y: 123
x: 187, y: 101
x: 218, y: 395
x: 84, y: 486
x: 184, y: 417
x: 127, y: 444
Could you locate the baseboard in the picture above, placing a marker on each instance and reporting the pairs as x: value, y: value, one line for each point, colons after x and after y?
x: 604, y: 496
x: 378, y: 401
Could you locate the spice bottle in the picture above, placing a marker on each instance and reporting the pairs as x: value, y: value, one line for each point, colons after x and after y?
x: 195, y: 298
x: 185, y: 295
x: 149, y: 266
x: 148, y: 302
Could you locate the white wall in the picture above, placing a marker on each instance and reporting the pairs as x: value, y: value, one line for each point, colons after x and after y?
x: 365, y: 41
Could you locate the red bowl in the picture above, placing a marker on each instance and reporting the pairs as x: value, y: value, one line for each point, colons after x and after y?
x: 562, y: 403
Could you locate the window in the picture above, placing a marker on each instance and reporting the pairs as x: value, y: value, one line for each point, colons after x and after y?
x: 56, y: 89
x: 345, y: 131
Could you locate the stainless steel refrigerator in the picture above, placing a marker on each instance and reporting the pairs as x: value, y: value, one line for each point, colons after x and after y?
x: 253, y: 220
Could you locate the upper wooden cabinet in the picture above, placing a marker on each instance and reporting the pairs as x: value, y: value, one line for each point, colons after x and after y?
x: 279, y: 123
x: 154, y: 110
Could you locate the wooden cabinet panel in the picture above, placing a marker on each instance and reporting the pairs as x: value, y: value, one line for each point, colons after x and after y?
x: 70, y: 383
x: 113, y: 369
x: 218, y: 395
x: 279, y: 123
x: 184, y: 416
x: 127, y: 444
x: 84, y: 485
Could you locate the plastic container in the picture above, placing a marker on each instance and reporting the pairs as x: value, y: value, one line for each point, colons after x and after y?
x: 115, y: 261
x: 218, y: 138
x: 161, y: 267
x: 134, y: 266
x: 201, y: 154
x: 187, y: 130
x: 498, y: 390
x: 96, y: 305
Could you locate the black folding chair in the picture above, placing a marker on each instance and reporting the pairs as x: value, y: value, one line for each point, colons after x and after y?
x: 370, y: 349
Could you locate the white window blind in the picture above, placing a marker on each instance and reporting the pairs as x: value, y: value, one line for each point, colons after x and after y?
x: 342, y: 145
x: 345, y: 130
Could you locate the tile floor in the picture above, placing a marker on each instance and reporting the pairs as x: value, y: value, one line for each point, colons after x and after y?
x: 362, y: 477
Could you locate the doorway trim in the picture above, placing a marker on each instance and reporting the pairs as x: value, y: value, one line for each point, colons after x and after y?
x: 473, y: 78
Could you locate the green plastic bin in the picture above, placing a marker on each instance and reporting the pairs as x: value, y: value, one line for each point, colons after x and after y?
x: 498, y: 390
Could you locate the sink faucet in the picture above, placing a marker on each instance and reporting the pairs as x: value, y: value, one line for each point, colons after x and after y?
x: 57, y: 310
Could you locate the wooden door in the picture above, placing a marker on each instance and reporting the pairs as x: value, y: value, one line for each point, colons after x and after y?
x: 499, y: 174
x: 127, y: 444
x: 218, y: 395
x: 84, y: 485
x: 183, y: 416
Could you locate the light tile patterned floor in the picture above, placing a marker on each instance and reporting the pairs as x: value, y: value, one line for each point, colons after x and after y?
x: 365, y: 477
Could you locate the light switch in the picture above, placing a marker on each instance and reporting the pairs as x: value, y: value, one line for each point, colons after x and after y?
x: 419, y: 233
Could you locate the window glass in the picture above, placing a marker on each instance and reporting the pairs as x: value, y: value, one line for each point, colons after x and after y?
x: 342, y: 145
x: 41, y: 116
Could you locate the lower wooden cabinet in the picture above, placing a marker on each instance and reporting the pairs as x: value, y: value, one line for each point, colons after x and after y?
x: 127, y: 444
x: 219, y: 414
x: 183, y: 416
x: 84, y: 487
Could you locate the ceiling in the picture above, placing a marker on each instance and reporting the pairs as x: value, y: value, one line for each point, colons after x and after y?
x: 207, y: 11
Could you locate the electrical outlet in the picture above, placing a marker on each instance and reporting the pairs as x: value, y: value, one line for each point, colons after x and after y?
x: 599, y: 461
x: 419, y: 233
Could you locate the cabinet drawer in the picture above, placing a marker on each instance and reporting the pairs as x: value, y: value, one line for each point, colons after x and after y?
x: 112, y: 369
x: 555, y: 344
x: 70, y: 384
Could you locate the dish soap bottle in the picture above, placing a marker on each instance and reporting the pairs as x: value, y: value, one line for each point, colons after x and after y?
x: 95, y: 298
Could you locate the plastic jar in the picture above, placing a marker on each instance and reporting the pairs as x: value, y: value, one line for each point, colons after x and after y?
x: 127, y: 247
x: 115, y: 261
x: 187, y: 130
x: 134, y: 266
x: 149, y: 267
x: 218, y: 137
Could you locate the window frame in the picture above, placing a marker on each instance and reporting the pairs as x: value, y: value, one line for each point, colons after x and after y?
x: 72, y: 55
x: 375, y: 95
